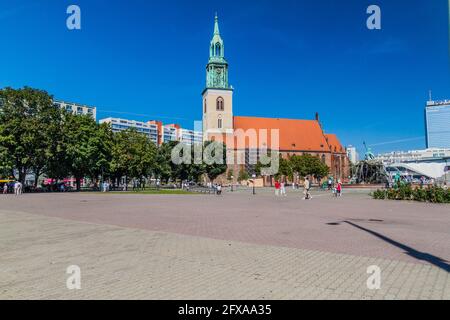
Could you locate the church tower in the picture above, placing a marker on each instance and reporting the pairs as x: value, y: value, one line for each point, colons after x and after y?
x: 218, y: 95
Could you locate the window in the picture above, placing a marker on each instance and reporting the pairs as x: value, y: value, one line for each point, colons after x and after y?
x: 218, y: 50
x: 205, y: 105
x: 219, y: 123
x: 220, y: 104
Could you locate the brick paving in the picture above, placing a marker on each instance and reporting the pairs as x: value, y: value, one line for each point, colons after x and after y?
x: 233, y: 247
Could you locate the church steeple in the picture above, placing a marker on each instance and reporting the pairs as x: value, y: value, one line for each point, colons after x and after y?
x: 218, y: 95
x: 217, y: 68
x: 216, y: 25
x: 217, y: 47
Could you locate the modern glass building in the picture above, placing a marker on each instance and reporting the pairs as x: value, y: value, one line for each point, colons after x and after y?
x: 437, y: 124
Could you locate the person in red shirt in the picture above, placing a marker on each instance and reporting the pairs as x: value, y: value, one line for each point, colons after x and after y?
x: 277, y: 188
x: 339, y: 189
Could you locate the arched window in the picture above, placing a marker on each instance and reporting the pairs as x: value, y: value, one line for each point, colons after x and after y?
x: 220, y: 104
x: 219, y: 123
x: 218, y: 50
x: 323, y: 158
x: 205, y: 105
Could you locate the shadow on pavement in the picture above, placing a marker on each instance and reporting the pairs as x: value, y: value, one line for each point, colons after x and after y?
x: 438, y: 262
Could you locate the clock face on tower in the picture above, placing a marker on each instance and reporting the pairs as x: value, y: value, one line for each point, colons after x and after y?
x: 217, y: 76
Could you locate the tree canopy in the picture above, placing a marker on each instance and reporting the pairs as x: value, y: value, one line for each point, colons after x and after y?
x: 38, y: 137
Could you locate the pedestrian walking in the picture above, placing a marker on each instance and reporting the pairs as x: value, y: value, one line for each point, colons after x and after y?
x: 219, y: 189
x: 339, y: 189
x: 5, y: 188
x: 283, y: 189
x: 277, y: 188
x: 16, y: 188
x: 307, y: 186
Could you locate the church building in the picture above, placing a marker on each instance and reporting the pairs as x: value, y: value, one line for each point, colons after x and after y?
x: 296, y: 137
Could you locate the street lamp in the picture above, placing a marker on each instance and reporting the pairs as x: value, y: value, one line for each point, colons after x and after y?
x: 446, y: 159
x: 254, y: 177
x: 232, y: 182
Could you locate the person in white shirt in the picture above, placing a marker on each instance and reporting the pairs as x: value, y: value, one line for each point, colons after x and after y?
x: 306, y: 186
x: 16, y: 188
x: 283, y: 189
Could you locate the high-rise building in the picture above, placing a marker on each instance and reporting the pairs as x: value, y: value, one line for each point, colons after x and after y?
x: 149, y: 129
x: 190, y: 137
x: 437, y: 123
x: 156, y: 130
x: 76, y: 108
x: 173, y: 132
x: 352, y: 154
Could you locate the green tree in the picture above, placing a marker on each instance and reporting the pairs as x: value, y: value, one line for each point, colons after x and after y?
x: 163, y: 168
x: 218, y: 154
x: 243, y: 175
x: 87, y: 147
x: 285, y: 169
x: 27, y: 122
x: 133, y: 155
x: 307, y: 164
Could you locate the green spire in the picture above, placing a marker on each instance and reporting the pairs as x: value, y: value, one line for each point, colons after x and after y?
x: 216, y: 51
x: 216, y: 25
x: 217, y: 69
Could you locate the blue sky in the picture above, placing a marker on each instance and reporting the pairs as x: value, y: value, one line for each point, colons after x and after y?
x: 144, y: 60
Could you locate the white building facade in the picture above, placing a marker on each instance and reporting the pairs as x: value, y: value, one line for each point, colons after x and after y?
x: 156, y: 131
x: 352, y: 154
x: 435, y: 154
x: 76, y: 108
x: 118, y: 124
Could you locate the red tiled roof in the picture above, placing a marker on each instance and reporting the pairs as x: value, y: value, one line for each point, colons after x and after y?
x: 295, y: 135
x: 334, y: 143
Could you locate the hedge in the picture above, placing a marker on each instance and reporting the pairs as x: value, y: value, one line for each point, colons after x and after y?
x: 431, y: 194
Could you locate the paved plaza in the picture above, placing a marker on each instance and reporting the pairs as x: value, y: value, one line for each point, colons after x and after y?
x: 236, y: 246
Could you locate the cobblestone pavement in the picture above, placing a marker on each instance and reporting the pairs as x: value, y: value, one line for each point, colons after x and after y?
x: 39, y: 239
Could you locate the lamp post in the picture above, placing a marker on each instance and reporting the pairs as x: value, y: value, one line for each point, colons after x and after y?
x: 254, y: 177
x: 446, y: 159
x: 232, y: 182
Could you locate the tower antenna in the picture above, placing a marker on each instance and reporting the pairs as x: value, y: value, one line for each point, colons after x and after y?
x: 430, y: 95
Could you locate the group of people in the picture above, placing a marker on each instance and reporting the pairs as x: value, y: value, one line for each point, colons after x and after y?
x: 17, y: 186
x: 280, y: 188
x: 335, y: 187
x: 106, y: 186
